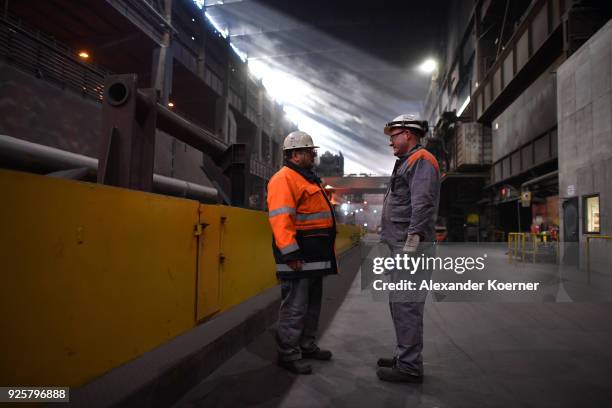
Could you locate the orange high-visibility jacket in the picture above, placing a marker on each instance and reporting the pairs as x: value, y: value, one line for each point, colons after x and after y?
x: 303, y: 223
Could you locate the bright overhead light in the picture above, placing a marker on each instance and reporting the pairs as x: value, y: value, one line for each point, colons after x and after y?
x: 224, y: 32
x: 463, y: 106
x: 283, y: 87
x: 241, y: 54
x: 84, y: 54
x: 428, y: 66
x: 171, y: 104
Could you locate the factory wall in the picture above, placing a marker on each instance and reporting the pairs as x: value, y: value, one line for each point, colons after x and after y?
x: 41, y: 112
x: 584, y: 86
x: 532, y: 114
x: 94, y: 276
x: 458, y: 16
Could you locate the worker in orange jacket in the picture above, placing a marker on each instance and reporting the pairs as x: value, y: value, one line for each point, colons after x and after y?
x: 304, y: 234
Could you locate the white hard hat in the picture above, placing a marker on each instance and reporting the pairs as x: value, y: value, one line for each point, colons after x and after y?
x: 407, y: 121
x: 298, y: 140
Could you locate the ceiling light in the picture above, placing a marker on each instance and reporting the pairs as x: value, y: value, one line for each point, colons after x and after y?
x: 428, y: 66
x: 84, y: 54
x: 171, y: 104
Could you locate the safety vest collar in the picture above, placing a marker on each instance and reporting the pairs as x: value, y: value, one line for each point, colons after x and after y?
x: 416, y: 148
x: 307, y: 174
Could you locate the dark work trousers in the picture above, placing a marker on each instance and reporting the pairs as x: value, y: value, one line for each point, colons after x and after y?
x: 298, y: 318
x: 407, y: 309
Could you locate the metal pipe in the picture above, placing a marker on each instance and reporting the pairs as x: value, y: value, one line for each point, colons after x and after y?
x: 186, y: 131
x: 34, y: 155
x: 540, y: 178
x: 182, y: 188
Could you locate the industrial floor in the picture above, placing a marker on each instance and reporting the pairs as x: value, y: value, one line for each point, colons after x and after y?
x: 476, y: 355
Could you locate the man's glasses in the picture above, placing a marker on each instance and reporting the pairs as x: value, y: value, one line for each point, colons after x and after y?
x: 398, y: 133
x: 310, y: 151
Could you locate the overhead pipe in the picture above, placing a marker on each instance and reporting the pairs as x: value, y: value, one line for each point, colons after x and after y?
x: 35, y: 155
x: 170, y: 122
x: 186, y: 131
x: 539, y: 179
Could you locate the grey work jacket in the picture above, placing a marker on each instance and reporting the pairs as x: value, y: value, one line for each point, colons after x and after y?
x: 411, y: 200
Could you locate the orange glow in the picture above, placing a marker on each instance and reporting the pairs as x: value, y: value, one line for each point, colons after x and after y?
x: 84, y: 54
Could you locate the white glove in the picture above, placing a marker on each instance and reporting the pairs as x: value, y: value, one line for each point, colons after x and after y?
x: 412, y: 242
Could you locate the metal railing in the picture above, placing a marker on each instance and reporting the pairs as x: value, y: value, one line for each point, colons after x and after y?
x: 522, y: 244
x: 516, y: 243
x: 588, y: 251
x: 45, y: 58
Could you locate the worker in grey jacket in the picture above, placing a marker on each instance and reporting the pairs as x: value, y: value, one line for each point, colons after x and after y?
x: 408, y: 226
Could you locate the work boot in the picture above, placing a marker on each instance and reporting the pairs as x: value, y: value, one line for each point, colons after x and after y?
x: 296, y: 366
x: 386, y: 362
x: 317, y: 354
x: 395, y: 375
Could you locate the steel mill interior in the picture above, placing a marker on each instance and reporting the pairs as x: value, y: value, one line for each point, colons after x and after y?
x: 172, y: 170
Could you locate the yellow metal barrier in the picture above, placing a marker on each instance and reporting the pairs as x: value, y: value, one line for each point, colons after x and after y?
x: 588, y: 252
x: 516, y: 241
x: 237, y: 256
x: 94, y: 276
x: 348, y: 236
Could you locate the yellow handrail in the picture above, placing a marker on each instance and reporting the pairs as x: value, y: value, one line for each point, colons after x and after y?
x: 588, y: 254
x: 518, y: 240
x: 513, y: 245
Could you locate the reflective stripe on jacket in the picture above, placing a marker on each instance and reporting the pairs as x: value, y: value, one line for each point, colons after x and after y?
x: 411, y: 201
x: 303, y: 224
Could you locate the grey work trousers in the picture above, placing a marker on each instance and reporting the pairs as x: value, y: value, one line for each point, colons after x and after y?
x: 407, y: 314
x: 298, y: 318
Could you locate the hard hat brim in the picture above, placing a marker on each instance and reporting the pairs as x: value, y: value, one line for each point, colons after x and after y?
x: 301, y: 147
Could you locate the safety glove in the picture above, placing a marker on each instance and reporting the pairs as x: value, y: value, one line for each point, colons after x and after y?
x: 412, y: 242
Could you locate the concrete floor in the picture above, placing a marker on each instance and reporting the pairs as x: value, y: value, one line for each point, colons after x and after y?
x: 476, y: 355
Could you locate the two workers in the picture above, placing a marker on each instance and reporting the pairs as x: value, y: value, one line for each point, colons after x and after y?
x: 304, y: 232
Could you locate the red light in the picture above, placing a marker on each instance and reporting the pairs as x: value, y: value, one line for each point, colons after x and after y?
x: 504, y: 192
